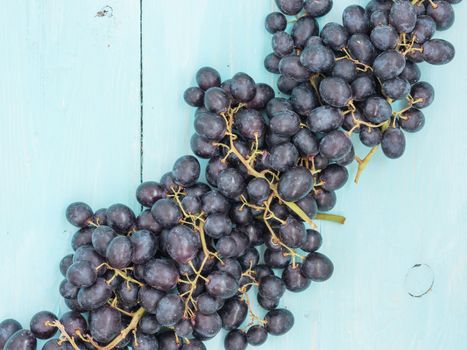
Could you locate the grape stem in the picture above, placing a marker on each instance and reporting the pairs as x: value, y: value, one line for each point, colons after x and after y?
x: 331, y: 217
x: 362, y: 163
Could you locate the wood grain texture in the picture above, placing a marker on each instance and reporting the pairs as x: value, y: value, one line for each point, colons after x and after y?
x: 69, y: 131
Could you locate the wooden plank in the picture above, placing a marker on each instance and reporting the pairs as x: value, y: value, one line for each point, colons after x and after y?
x: 69, y: 131
x: 403, y: 213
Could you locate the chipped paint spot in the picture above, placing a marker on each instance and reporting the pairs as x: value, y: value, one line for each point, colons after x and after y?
x: 106, y: 11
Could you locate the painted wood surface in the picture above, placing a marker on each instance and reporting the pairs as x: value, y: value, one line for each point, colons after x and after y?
x: 70, y: 130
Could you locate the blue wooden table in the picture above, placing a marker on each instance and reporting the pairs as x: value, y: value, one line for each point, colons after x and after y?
x: 72, y: 127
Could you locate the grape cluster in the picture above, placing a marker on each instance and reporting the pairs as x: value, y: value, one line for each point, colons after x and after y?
x: 188, y: 264
x: 361, y: 76
x: 181, y: 270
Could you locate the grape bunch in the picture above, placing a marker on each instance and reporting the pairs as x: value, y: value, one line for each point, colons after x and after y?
x: 188, y: 265
x: 355, y: 75
x: 176, y: 274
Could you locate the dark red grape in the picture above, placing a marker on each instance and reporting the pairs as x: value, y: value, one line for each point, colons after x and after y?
x: 79, y: 214
x: 279, y: 321
x: 95, y: 296
x: 355, y: 19
x: 169, y: 310
x: 424, y: 92
x: 290, y: 7
x: 403, y: 16
x: 303, y: 29
x: 194, y: 96
x: 182, y: 244
x: 233, y: 313
x: 235, y: 340
x: 105, y: 324
x: 294, y: 279
x: 161, y: 274
x: 207, y: 77
x: 318, y: 8
x: 312, y: 242
x: 81, y: 274
x: 443, y: 14
x: 21, y: 340
x: 317, y: 267
x: 275, y: 22
x: 119, y: 252
x: 295, y: 184
x: 412, y: 120
x: 393, y: 143
x: 120, y: 218
x: 325, y: 119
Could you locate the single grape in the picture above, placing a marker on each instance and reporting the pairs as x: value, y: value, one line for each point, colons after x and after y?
x: 182, y: 244
x: 424, y: 92
x: 40, y: 325
x: 295, y: 184
x: 393, y: 143
x: 442, y: 13
x: 221, y: 285
x: 294, y: 279
x: 168, y: 341
x: 82, y: 237
x: 145, y: 342
x: 325, y: 119
x: 384, y: 37
x: 317, y: 58
x: 335, y: 145
x: 207, y: 326
x: 283, y: 156
x: 105, y: 324
x: 81, y: 274
x: 292, y: 233
x: 258, y: 190
x: 79, y: 214
x: 207, y: 77
x: 334, y: 35
x: 215, y: 202
x: 333, y: 177
x: 275, y: 22
x: 202, y: 147
x: 88, y: 253
x: 119, y: 252
x: 276, y: 259
x: 121, y: 218
x: 271, y: 63
x: 216, y: 100
x: 8, y: 327
x: 169, y: 310
x: 361, y: 48
x: 243, y: 87
x: 396, y: 88
x: 282, y: 44
x: 389, y: 64
x: 312, y: 242
x: 233, y: 313
x: 326, y: 200
x: 317, y: 267
x: 279, y: 322
x: 355, y: 19
x: 370, y: 137
x: 235, y: 340
x: 318, y: 8
x: 291, y: 68
x: 335, y: 92
x: 303, y: 29
x: 403, y: 16
x: 286, y: 123
x: 74, y: 323
x: 161, y: 274
x: 308, y: 205
x: 95, y: 296
x: 345, y: 69
x: 306, y: 143
x: 377, y: 109
x: 290, y: 7
x: 250, y: 124
x: 412, y: 120
x: 194, y: 96
x: 231, y: 183
x: 166, y: 212
x: 144, y: 246
x: 363, y: 87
